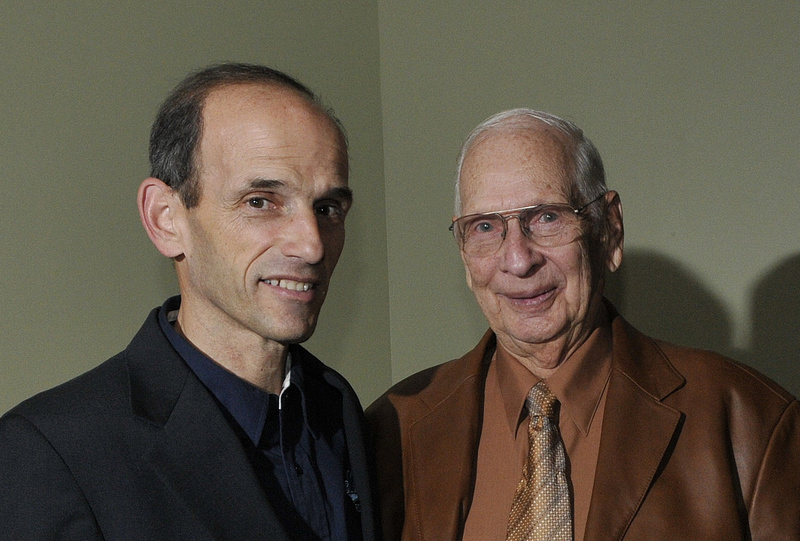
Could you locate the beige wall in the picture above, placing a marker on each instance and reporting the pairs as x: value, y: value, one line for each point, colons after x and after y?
x: 693, y: 107
x: 80, y: 85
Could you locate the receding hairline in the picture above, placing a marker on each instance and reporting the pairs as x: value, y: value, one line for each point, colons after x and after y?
x: 548, y: 143
x: 525, y: 121
x: 530, y: 128
x: 279, y: 91
x: 521, y: 121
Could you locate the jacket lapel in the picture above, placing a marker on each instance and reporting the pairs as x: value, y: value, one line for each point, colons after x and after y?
x: 200, y: 458
x: 442, y: 488
x: 196, y: 454
x: 444, y: 448
x: 638, y: 432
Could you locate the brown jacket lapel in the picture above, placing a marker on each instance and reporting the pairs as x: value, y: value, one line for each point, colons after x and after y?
x: 426, y: 435
x: 442, y: 487
x: 637, y: 433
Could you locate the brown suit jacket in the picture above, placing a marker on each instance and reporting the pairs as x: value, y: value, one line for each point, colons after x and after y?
x: 694, y: 446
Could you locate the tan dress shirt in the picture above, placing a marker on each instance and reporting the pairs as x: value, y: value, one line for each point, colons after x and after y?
x: 580, y: 386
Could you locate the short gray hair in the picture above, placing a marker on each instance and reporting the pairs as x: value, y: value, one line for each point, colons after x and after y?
x: 589, y: 181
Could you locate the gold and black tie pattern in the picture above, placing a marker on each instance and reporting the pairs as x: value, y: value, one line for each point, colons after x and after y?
x: 541, y: 508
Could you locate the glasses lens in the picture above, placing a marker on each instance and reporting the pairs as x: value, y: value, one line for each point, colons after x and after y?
x: 481, y: 234
x: 549, y: 225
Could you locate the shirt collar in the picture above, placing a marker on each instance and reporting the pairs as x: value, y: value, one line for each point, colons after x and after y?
x: 578, y: 383
x: 246, y: 403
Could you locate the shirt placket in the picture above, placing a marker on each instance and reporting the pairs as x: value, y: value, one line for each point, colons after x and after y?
x: 298, y: 458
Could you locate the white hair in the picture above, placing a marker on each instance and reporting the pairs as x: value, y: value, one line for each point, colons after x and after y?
x: 589, y: 180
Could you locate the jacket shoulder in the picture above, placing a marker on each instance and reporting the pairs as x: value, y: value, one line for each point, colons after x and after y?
x: 710, y: 372
x: 105, y: 390
x: 424, y: 391
x: 666, y: 370
x: 101, y: 388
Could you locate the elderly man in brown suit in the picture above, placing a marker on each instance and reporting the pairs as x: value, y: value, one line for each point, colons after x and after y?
x: 565, y: 422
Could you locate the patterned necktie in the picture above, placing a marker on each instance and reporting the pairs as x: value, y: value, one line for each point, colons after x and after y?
x: 541, y: 508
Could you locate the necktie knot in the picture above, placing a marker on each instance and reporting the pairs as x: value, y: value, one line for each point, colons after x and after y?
x: 541, y: 401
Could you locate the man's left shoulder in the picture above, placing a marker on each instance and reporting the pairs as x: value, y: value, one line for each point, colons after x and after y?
x: 694, y: 374
x: 708, y: 371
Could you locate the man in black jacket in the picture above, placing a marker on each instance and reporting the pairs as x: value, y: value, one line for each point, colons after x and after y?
x: 213, y: 423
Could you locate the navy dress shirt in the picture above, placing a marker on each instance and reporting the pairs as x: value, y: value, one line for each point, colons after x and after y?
x: 295, y: 440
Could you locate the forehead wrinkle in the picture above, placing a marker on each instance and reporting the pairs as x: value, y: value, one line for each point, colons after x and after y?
x: 290, y: 152
x: 266, y: 184
x: 227, y: 109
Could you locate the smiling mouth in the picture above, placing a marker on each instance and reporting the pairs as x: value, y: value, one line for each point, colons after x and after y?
x: 539, y: 296
x: 291, y: 285
x: 545, y: 293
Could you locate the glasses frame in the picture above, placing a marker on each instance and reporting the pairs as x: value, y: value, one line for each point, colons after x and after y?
x: 505, y: 215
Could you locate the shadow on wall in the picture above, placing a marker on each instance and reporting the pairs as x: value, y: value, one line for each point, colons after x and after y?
x: 664, y: 299
x: 775, y: 305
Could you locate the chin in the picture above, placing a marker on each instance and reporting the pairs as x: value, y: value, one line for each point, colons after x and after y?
x: 296, y: 335
x: 538, y: 334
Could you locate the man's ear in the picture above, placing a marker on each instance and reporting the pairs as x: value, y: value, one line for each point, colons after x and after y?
x: 160, y: 209
x: 615, y: 235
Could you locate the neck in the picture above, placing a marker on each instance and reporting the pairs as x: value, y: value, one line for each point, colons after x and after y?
x: 258, y: 361
x: 543, y: 359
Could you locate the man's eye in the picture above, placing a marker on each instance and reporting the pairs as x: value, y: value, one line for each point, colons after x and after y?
x: 483, y: 226
x: 480, y: 227
x: 257, y: 202
x: 329, y: 210
x: 548, y: 216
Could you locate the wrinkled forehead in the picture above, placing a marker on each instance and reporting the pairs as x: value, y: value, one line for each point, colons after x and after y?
x: 514, y: 167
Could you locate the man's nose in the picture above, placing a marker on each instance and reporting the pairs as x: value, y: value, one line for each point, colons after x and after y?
x: 303, y: 239
x: 518, y: 254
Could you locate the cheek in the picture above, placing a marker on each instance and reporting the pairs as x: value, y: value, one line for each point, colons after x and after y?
x: 580, y: 280
x: 333, y: 242
x: 479, y: 278
x: 568, y: 266
x: 479, y: 273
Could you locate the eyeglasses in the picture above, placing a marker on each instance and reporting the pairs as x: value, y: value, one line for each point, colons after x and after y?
x: 548, y: 225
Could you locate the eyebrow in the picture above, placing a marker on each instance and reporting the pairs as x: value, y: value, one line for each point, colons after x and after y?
x: 260, y: 184
x: 340, y: 192
x: 266, y: 184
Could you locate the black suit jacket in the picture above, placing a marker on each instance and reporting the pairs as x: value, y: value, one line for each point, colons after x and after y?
x: 137, y: 448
